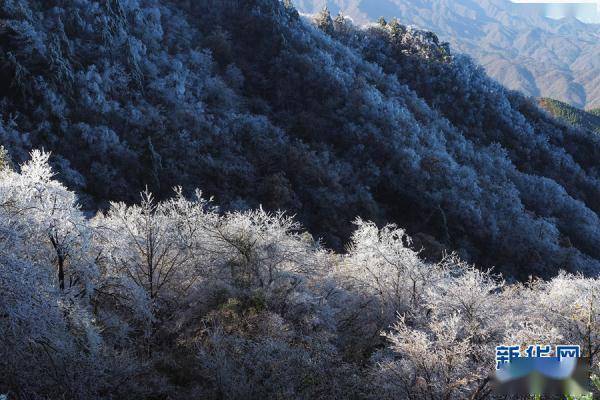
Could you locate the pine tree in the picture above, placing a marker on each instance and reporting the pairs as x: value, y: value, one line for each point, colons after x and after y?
x: 339, y: 23
x: 324, y: 21
x: 152, y: 162
x: 397, y: 30
x: 289, y: 7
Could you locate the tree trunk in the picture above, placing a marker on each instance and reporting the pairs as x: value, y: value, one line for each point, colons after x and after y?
x: 60, y: 261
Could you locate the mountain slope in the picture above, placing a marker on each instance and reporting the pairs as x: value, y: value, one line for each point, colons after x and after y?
x: 584, y: 119
x: 255, y: 105
x: 520, y: 48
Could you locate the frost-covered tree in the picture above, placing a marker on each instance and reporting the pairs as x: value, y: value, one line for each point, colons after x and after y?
x: 381, y: 262
x: 436, y: 363
x: 144, y: 248
x: 51, y: 343
x: 46, y: 218
x: 570, y: 305
x: 150, y: 259
x: 324, y: 21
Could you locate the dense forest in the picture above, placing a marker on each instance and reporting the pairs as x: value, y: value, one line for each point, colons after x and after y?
x: 583, y: 119
x: 256, y: 106
x: 224, y: 199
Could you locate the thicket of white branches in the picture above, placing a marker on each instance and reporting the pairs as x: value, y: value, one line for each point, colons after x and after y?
x: 175, y: 299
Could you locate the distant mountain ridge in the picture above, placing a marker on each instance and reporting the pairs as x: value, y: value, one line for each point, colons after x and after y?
x: 524, y: 51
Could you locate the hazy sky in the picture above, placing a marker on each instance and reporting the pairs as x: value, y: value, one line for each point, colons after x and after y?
x: 585, y: 10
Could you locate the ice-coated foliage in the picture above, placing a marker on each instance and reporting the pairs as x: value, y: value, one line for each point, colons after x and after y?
x: 50, y: 339
x: 275, y: 115
x: 176, y: 299
x: 260, y: 106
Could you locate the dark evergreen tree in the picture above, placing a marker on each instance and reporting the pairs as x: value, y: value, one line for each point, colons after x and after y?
x: 324, y: 21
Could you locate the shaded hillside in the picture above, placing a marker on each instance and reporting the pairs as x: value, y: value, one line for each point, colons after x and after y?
x: 257, y: 106
x: 523, y: 50
x: 589, y: 120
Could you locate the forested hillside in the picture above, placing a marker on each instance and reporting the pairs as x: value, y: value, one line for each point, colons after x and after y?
x: 516, y: 43
x: 120, y: 277
x: 255, y: 106
x: 589, y: 120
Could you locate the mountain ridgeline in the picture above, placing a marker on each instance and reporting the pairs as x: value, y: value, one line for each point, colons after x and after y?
x: 515, y: 42
x: 255, y: 105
